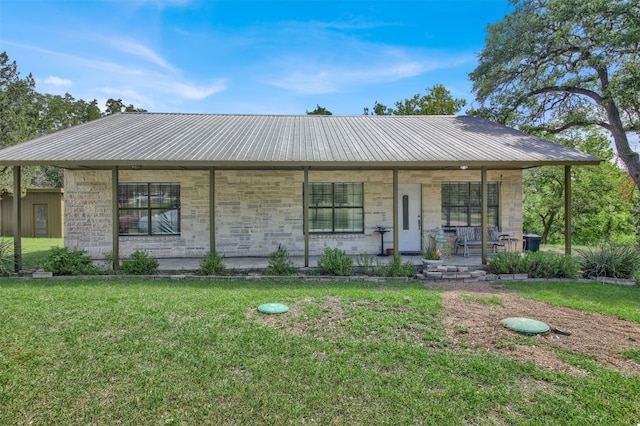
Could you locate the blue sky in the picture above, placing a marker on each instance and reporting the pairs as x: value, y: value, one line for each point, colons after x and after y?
x: 254, y: 57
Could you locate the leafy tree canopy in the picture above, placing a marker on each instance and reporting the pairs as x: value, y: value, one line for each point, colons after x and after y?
x: 319, y: 111
x: 602, y: 208
x: 562, y: 64
x: 26, y: 114
x: 437, y: 101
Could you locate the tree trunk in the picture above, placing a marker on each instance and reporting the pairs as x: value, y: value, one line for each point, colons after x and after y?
x: 630, y: 158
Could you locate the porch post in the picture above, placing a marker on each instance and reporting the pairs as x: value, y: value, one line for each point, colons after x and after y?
x: 567, y: 209
x: 212, y: 210
x: 483, y: 213
x: 114, y: 217
x: 396, y: 231
x: 17, y: 219
x: 305, y: 215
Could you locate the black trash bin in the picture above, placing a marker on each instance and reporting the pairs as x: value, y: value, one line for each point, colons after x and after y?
x: 532, y: 242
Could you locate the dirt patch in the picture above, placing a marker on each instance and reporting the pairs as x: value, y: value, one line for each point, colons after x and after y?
x: 307, y: 317
x: 472, y: 315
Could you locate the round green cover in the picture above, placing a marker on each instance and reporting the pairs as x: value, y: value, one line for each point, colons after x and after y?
x: 526, y: 326
x: 273, y: 308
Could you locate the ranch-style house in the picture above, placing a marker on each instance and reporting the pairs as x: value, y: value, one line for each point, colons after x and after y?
x: 181, y: 185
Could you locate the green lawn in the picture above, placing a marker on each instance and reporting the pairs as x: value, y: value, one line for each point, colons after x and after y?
x: 110, y: 351
x: 34, y: 250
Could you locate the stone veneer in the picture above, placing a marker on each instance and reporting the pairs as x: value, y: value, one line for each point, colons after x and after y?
x: 256, y: 211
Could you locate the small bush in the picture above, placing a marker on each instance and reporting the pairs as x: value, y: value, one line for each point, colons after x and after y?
x: 280, y: 263
x: 366, y: 264
x: 6, y: 257
x: 534, y: 264
x: 506, y: 263
x: 398, y: 269
x: 610, y: 260
x: 62, y: 261
x: 139, y: 263
x: 335, y: 262
x: 550, y: 265
x: 212, y: 264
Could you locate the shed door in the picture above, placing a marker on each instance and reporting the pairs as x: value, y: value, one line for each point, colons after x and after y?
x: 41, y: 219
x: 409, y: 207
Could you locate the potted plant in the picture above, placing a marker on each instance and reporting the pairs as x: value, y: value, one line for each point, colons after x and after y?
x: 431, y: 253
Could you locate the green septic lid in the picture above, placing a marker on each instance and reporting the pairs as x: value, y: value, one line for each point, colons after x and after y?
x: 273, y: 308
x: 526, y: 326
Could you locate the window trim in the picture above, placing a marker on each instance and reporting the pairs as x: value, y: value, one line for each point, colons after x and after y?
x: 149, y: 209
x: 334, y: 208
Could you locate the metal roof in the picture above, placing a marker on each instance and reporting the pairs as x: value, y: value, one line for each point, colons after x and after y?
x: 169, y: 140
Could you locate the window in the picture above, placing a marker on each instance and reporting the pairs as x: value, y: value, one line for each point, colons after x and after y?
x: 336, y: 207
x: 149, y: 208
x: 462, y: 204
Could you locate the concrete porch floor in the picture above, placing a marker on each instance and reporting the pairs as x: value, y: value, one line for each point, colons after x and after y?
x: 261, y: 263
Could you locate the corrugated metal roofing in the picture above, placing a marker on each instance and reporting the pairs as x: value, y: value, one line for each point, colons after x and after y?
x: 245, y: 141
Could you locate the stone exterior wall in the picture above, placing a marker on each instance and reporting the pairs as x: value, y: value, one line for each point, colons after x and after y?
x: 256, y: 211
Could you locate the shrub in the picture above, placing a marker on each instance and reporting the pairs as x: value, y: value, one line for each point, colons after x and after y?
x: 139, y: 263
x: 534, y: 264
x: 6, y: 257
x: 366, y: 264
x: 62, y: 261
x: 506, y: 263
x: 212, y: 264
x: 610, y: 260
x: 398, y: 269
x: 335, y: 262
x: 550, y: 265
x: 280, y: 263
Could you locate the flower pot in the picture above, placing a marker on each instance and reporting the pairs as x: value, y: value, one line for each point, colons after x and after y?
x: 389, y: 252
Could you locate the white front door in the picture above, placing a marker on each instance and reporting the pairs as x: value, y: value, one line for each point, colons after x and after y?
x: 409, y: 220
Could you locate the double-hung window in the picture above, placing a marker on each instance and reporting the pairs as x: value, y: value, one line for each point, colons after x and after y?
x: 149, y: 208
x: 462, y: 204
x: 336, y: 207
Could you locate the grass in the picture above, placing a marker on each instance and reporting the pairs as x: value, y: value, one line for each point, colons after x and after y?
x: 34, y: 250
x: 620, y: 301
x: 101, y: 351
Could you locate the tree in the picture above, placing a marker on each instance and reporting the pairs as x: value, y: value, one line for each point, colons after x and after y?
x: 319, y: 111
x: 601, y: 208
x: 114, y: 106
x: 18, y: 109
x: 26, y: 114
x: 563, y: 64
x: 437, y: 101
x: 18, y: 114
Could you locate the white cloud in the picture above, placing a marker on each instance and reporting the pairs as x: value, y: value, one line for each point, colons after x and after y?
x: 136, y: 49
x: 195, y: 92
x: 128, y: 96
x: 304, y: 78
x: 57, y: 81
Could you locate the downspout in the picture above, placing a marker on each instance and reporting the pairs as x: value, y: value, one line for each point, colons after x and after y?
x: 115, y: 231
x: 17, y: 219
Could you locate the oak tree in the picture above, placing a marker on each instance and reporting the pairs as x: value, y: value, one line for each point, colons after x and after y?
x: 563, y: 64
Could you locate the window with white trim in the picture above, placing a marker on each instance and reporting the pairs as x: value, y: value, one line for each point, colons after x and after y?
x: 149, y: 208
x: 336, y: 207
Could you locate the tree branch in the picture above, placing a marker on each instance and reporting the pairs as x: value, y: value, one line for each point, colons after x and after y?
x: 568, y: 89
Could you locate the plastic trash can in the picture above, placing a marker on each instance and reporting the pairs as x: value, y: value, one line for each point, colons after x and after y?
x: 532, y: 242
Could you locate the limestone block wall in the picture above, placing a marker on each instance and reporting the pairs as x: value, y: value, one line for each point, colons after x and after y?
x: 256, y: 211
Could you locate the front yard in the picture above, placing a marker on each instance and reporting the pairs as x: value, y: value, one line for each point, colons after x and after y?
x: 111, y: 351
